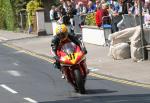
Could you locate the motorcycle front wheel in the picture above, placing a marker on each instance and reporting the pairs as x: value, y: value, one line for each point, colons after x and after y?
x: 79, y: 81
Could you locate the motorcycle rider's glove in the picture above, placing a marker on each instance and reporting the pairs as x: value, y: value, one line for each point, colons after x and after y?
x: 84, y: 50
x: 56, y: 58
x: 57, y: 65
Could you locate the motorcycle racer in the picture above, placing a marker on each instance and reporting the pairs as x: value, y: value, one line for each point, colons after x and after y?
x: 60, y: 38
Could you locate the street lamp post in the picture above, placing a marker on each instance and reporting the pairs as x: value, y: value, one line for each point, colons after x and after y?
x: 142, y: 30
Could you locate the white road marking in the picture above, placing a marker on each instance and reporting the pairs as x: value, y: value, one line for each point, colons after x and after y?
x: 20, y: 51
x: 16, y: 64
x: 30, y: 100
x: 14, y: 73
x: 93, y: 69
x: 8, y: 89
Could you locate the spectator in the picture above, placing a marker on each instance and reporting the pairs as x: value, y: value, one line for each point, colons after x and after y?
x: 143, y: 2
x: 62, y: 10
x: 120, y: 3
x: 126, y: 4
x: 147, y: 18
x: 64, y: 4
x: 63, y: 19
x: 105, y: 13
x: 97, y: 3
x: 91, y: 7
x: 81, y: 9
x: 98, y: 16
x: 147, y: 5
x: 102, y: 2
x: 110, y: 10
x: 116, y: 15
x: 71, y: 8
x: 52, y: 13
x: 71, y: 11
x: 114, y: 5
x: 73, y: 2
x: 134, y: 9
x: 100, y: 13
x: 56, y: 14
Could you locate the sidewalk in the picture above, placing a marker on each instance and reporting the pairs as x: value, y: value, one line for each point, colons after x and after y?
x: 8, y: 35
x: 97, y: 57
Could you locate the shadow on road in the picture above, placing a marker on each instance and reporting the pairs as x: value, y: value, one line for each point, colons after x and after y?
x: 135, y: 98
x: 99, y: 91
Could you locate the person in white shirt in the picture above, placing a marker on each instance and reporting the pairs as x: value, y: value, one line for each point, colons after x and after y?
x: 64, y: 4
x: 147, y: 5
x: 147, y: 19
x: 81, y: 9
x: 52, y: 13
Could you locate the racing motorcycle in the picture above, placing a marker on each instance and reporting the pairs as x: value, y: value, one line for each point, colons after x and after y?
x: 73, y: 65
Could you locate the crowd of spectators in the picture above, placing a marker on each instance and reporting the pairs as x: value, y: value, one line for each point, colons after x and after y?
x: 102, y: 8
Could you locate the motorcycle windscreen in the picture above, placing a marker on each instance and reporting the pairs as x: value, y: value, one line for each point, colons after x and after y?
x: 68, y: 48
x: 70, y: 54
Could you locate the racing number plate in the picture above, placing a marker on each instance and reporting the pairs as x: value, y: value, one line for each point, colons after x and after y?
x: 71, y: 56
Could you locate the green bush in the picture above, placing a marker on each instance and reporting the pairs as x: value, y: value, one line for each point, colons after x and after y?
x: 31, y: 8
x: 90, y: 19
x: 19, y: 7
x: 2, y: 19
x: 7, y: 15
x: 1, y: 15
x: 54, y: 2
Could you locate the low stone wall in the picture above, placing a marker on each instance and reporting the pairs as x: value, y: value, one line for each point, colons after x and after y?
x: 93, y: 35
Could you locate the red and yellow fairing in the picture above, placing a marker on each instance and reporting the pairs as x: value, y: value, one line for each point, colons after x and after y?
x: 73, y: 58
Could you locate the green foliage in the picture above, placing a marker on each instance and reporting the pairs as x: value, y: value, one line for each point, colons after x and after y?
x: 18, y: 5
x: 90, y: 19
x: 31, y: 8
x: 10, y: 10
x: 1, y: 15
x: 55, y: 2
x: 8, y: 13
x: 19, y: 9
x: 9, y: 18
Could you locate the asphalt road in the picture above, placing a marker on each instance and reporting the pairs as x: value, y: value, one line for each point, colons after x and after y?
x: 27, y: 79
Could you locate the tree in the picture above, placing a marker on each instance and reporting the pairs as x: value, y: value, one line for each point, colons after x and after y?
x: 1, y: 15
x: 9, y: 13
x: 9, y: 18
x: 31, y: 8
